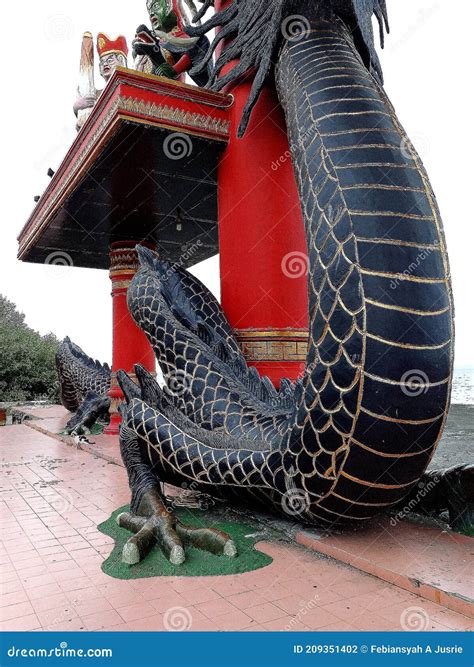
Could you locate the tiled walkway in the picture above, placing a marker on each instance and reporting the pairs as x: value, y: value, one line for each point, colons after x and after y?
x: 52, y: 498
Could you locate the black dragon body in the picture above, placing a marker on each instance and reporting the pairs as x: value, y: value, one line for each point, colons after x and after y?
x: 355, y: 434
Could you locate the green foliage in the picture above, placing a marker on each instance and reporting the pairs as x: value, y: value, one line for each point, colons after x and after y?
x: 27, y: 359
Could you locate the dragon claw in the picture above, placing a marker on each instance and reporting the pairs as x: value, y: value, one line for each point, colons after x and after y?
x: 155, y: 525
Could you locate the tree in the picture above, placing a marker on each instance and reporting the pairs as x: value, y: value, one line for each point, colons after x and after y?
x: 27, y: 359
x: 9, y: 313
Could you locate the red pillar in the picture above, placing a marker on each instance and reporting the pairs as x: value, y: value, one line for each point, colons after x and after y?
x: 263, y: 255
x: 130, y: 345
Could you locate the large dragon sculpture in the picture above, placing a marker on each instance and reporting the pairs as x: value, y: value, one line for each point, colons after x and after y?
x: 354, y: 436
x: 83, y: 384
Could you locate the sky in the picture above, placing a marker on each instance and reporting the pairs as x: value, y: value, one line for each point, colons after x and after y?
x: 428, y: 77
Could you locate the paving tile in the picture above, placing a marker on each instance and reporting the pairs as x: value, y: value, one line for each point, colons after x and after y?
x: 181, y: 584
x: 83, y: 595
x: 263, y: 613
x: 215, y: 608
x: 199, y: 622
x: 34, y: 582
x: 292, y: 604
x: 53, y: 617
x: 231, y: 585
x: 75, y: 583
x: 12, y: 586
x: 199, y: 595
x: 74, y: 624
x: 274, y: 592
x: 137, y: 611
x: 246, y: 600
x: 167, y: 602
x: 87, y: 607
x: 22, y: 624
x: 315, y: 619
x: 50, y: 602
x: 285, y: 624
x: 156, y: 590
x: 51, y: 564
x: 37, y: 592
x: 16, y: 611
x: 233, y: 621
x: 121, y: 627
x: 150, y: 624
x: 101, y: 620
x: 15, y: 597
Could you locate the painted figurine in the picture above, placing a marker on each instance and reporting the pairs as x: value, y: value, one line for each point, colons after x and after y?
x: 112, y: 54
x: 167, y: 49
x: 86, y: 91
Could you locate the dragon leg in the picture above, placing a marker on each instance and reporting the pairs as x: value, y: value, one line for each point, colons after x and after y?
x: 155, y: 450
x: 92, y: 408
x: 150, y: 520
x: 207, y: 376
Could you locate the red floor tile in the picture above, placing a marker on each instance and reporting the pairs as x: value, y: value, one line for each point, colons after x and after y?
x: 52, y: 578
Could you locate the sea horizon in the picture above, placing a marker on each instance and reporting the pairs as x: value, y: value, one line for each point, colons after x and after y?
x: 463, y: 386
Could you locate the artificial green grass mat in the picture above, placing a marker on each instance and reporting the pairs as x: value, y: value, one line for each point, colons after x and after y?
x: 198, y: 563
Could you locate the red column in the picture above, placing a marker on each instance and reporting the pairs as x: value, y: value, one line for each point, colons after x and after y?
x: 263, y: 255
x: 130, y: 345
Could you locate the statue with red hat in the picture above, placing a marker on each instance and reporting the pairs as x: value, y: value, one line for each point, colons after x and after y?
x: 113, y: 53
x: 167, y: 49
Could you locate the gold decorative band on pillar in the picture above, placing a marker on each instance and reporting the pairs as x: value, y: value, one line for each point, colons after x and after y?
x: 123, y: 260
x: 273, y: 344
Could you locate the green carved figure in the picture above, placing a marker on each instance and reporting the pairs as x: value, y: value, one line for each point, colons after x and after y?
x: 167, y: 49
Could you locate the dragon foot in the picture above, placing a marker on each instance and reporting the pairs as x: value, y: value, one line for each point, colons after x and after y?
x: 154, y: 524
x: 93, y: 408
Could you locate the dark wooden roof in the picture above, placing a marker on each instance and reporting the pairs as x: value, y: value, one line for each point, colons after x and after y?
x: 143, y: 167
